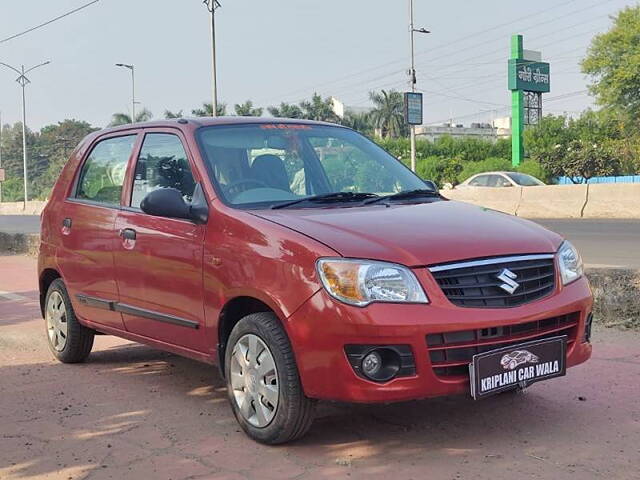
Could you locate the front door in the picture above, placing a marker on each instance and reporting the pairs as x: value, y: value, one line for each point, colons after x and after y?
x: 87, y: 220
x: 159, y: 260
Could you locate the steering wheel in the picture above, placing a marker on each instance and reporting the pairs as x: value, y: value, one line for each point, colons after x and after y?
x: 245, y: 181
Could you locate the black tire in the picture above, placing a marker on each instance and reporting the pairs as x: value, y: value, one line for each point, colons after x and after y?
x: 79, y: 339
x: 294, y: 412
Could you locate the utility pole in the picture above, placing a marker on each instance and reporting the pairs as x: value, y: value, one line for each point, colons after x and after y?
x: 412, y: 78
x: 212, y: 5
x: 24, y: 81
x: 133, y: 89
x: 412, y: 84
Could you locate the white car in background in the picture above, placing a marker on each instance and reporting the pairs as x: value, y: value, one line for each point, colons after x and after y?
x: 501, y: 179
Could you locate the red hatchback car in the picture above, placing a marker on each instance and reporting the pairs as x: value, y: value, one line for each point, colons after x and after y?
x: 307, y: 263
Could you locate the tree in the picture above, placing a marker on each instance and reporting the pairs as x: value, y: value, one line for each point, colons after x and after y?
x: 168, y: 114
x: 318, y: 109
x: 388, y: 113
x: 542, y: 138
x: 286, y: 110
x: 247, y: 109
x: 120, y: 118
x: 358, y: 121
x: 54, y: 146
x: 207, y: 110
x: 613, y: 61
x: 581, y: 160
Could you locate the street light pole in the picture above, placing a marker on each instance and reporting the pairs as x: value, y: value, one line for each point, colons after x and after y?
x: 412, y: 77
x: 133, y: 89
x: 412, y: 83
x: 24, y: 81
x: 212, y: 5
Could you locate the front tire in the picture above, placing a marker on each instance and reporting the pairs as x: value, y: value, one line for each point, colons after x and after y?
x: 263, y: 383
x: 68, y: 340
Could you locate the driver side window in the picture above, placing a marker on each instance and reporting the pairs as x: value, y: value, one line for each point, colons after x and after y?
x: 162, y: 163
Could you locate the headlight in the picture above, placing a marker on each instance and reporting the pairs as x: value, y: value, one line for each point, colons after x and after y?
x: 569, y: 262
x: 361, y: 282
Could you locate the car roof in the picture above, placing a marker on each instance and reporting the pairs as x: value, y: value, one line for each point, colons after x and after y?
x: 211, y: 121
x: 493, y: 173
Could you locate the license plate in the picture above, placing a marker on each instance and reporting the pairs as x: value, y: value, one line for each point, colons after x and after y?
x: 517, y: 366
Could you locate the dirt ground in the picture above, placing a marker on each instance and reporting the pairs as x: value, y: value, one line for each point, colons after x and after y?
x: 132, y: 412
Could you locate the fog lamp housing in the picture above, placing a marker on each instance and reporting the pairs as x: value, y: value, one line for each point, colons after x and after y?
x: 381, y: 363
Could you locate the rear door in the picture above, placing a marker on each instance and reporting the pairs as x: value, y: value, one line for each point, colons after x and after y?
x: 159, y: 260
x: 87, y: 222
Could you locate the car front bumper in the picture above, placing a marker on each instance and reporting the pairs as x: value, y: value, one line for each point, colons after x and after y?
x: 321, y: 328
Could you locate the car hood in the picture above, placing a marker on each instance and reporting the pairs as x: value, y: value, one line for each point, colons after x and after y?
x: 419, y: 234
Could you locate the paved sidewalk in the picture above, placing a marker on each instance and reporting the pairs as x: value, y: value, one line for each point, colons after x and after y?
x: 132, y: 412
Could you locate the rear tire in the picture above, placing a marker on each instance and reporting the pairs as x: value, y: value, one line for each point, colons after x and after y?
x: 68, y: 340
x: 263, y: 383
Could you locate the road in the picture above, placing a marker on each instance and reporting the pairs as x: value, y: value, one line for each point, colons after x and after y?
x: 134, y: 412
x: 611, y: 243
x: 602, y: 242
x: 19, y: 223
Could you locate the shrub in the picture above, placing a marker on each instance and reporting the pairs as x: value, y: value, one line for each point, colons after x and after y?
x: 439, y: 170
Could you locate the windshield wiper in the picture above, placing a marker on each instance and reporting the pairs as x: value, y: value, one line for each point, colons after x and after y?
x: 328, y: 198
x: 403, y: 195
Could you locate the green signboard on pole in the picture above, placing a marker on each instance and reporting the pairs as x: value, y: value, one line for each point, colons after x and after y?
x: 529, y: 76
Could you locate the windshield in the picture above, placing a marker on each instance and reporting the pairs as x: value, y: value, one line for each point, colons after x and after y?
x: 264, y: 165
x: 524, y: 179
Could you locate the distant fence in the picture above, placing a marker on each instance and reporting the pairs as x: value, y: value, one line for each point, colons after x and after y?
x: 620, y: 179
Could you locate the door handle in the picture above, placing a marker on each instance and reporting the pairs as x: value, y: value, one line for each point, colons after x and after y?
x: 128, y: 233
x: 66, y: 226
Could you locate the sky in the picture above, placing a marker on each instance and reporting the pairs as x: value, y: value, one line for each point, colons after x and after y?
x: 284, y: 50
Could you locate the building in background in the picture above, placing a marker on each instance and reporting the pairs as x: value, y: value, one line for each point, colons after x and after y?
x: 340, y: 109
x: 498, y: 128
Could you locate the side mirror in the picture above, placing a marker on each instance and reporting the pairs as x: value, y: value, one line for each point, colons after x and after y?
x: 431, y: 184
x: 166, y: 202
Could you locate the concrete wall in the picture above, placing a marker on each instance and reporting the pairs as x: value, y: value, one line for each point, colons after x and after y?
x: 557, y: 201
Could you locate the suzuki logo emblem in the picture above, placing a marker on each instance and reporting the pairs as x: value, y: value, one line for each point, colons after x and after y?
x: 509, y: 278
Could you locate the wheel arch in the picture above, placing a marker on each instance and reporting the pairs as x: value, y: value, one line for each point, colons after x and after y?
x: 47, y: 277
x: 233, y: 311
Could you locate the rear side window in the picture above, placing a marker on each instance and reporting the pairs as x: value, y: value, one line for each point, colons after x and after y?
x: 103, y: 172
x: 480, y: 181
x: 162, y: 163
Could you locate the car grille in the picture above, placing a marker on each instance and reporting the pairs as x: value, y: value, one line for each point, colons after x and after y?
x: 476, y: 284
x: 451, y: 352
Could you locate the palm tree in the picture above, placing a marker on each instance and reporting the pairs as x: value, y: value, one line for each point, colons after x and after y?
x: 358, y: 121
x: 388, y: 113
x: 120, y: 118
x: 247, y: 109
x: 286, y: 110
x: 207, y: 110
x: 168, y: 114
x: 319, y: 109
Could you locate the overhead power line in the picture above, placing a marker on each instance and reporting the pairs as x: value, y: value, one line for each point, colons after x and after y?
x: 430, y: 50
x: 48, y: 22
